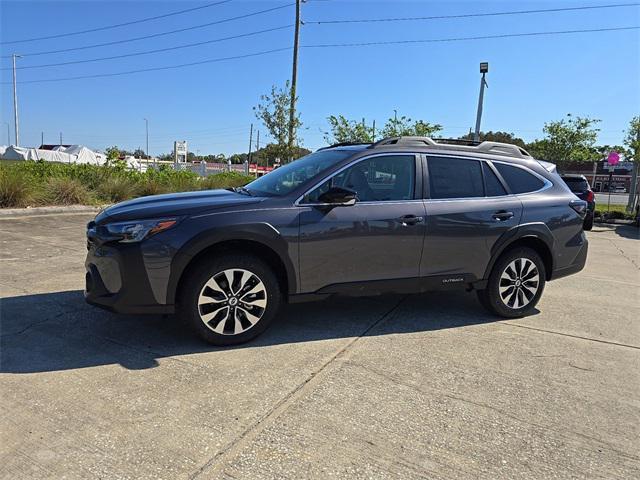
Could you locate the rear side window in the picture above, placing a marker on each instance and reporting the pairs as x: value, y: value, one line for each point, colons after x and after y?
x: 455, y: 178
x: 518, y: 179
x: 492, y: 185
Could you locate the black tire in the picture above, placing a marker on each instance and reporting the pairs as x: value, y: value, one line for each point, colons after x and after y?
x: 491, y: 298
x: 190, y: 309
x: 588, y: 222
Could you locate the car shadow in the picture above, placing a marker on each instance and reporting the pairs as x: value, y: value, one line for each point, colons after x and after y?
x: 628, y: 231
x: 59, y: 331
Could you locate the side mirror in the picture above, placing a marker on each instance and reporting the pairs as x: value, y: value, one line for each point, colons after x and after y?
x: 338, y: 196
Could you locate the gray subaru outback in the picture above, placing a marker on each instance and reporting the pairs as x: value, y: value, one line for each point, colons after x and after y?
x: 405, y: 214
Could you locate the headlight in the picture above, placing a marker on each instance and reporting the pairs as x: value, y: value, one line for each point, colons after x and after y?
x: 138, y: 230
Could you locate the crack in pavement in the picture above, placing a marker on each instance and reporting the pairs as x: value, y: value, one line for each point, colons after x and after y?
x: 215, y: 463
x: 624, y: 254
x: 608, y: 342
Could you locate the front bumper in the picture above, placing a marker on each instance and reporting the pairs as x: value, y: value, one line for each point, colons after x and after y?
x: 117, y: 279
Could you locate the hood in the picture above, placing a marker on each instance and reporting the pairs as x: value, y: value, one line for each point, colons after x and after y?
x: 173, y: 204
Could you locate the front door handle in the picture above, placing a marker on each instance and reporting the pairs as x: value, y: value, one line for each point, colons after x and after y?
x: 410, y: 219
x: 502, y: 215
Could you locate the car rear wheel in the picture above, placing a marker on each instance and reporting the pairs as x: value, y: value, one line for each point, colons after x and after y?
x: 230, y: 299
x: 588, y: 222
x: 515, y: 284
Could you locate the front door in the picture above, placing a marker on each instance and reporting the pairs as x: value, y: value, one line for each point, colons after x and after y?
x: 468, y: 212
x: 378, y: 238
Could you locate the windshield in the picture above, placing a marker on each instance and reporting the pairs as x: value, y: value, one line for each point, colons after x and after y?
x: 287, y: 178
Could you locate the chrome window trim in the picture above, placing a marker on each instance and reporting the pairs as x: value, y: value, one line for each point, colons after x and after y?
x: 349, y: 165
x: 546, y: 183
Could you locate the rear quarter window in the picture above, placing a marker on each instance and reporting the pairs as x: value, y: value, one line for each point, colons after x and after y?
x: 518, y: 179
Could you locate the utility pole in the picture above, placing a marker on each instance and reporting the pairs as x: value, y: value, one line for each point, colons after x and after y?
x: 249, y: 156
x: 395, y: 115
x: 41, y: 138
x: 257, y: 150
x: 146, y: 124
x: 374, y: 130
x: 15, y: 100
x: 484, y: 69
x: 294, y: 81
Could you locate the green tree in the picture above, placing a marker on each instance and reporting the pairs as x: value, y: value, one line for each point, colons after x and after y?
x: 570, y: 140
x: 404, y: 126
x: 113, y: 158
x: 632, y: 139
x: 273, y: 111
x: 139, y: 153
x: 503, y: 137
x: 344, y: 130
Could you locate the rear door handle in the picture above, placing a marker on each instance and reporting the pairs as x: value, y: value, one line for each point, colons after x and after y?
x: 502, y: 215
x: 411, y: 219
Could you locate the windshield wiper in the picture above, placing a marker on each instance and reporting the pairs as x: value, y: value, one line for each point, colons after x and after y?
x: 243, y: 190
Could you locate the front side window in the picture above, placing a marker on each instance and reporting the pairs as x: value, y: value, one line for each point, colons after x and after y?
x: 376, y: 179
x: 455, y: 178
x: 287, y: 178
x: 518, y: 179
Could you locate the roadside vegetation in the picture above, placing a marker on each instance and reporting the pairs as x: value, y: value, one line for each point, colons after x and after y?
x: 27, y: 183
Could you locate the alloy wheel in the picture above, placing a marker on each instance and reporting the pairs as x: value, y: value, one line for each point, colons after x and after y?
x: 519, y: 283
x: 232, y: 301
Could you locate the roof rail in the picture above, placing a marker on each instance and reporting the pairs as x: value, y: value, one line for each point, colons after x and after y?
x: 344, y: 144
x: 494, y: 148
x: 404, y: 141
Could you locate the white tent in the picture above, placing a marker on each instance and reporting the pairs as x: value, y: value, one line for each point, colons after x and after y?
x: 71, y: 154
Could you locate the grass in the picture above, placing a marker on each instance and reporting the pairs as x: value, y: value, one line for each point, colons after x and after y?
x: 29, y: 183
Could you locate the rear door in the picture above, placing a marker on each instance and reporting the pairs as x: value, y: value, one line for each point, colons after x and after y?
x: 468, y: 212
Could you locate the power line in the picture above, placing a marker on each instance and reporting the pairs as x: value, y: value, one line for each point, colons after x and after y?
x: 460, y: 39
x: 157, y: 50
x: 361, y: 44
x: 470, y: 15
x: 155, y: 35
x: 108, y: 27
x: 154, y: 69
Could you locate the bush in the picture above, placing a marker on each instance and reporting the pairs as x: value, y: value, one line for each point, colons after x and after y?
x: 117, y: 189
x: 25, y: 183
x: 225, y: 180
x: 16, y: 189
x: 65, y: 191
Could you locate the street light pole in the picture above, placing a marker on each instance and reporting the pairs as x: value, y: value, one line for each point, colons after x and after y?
x: 15, y: 100
x: 484, y: 69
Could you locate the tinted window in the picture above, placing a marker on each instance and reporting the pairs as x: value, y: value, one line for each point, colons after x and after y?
x: 518, y: 179
x: 493, y: 187
x: 286, y: 178
x: 389, y: 177
x: 455, y: 178
x: 576, y: 184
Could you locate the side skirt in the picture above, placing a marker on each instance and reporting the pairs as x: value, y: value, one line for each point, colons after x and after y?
x: 463, y: 281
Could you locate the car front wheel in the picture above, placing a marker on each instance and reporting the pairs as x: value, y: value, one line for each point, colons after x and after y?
x: 515, y: 284
x: 230, y: 299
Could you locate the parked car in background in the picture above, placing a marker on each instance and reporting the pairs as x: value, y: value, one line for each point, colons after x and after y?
x: 402, y: 215
x: 619, y: 189
x: 579, y: 185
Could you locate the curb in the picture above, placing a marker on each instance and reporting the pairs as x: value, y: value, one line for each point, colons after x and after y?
x: 615, y: 221
x: 21, y: 212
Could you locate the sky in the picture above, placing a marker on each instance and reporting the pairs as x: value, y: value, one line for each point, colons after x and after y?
x: 532, y: 79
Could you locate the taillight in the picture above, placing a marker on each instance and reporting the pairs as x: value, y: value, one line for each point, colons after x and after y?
x: 580, y: 207
x: 590, y: 195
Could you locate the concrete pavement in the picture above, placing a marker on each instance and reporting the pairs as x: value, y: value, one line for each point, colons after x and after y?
x: 425, y: 386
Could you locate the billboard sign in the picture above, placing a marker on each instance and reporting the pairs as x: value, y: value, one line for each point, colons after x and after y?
x: 180, y: 151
